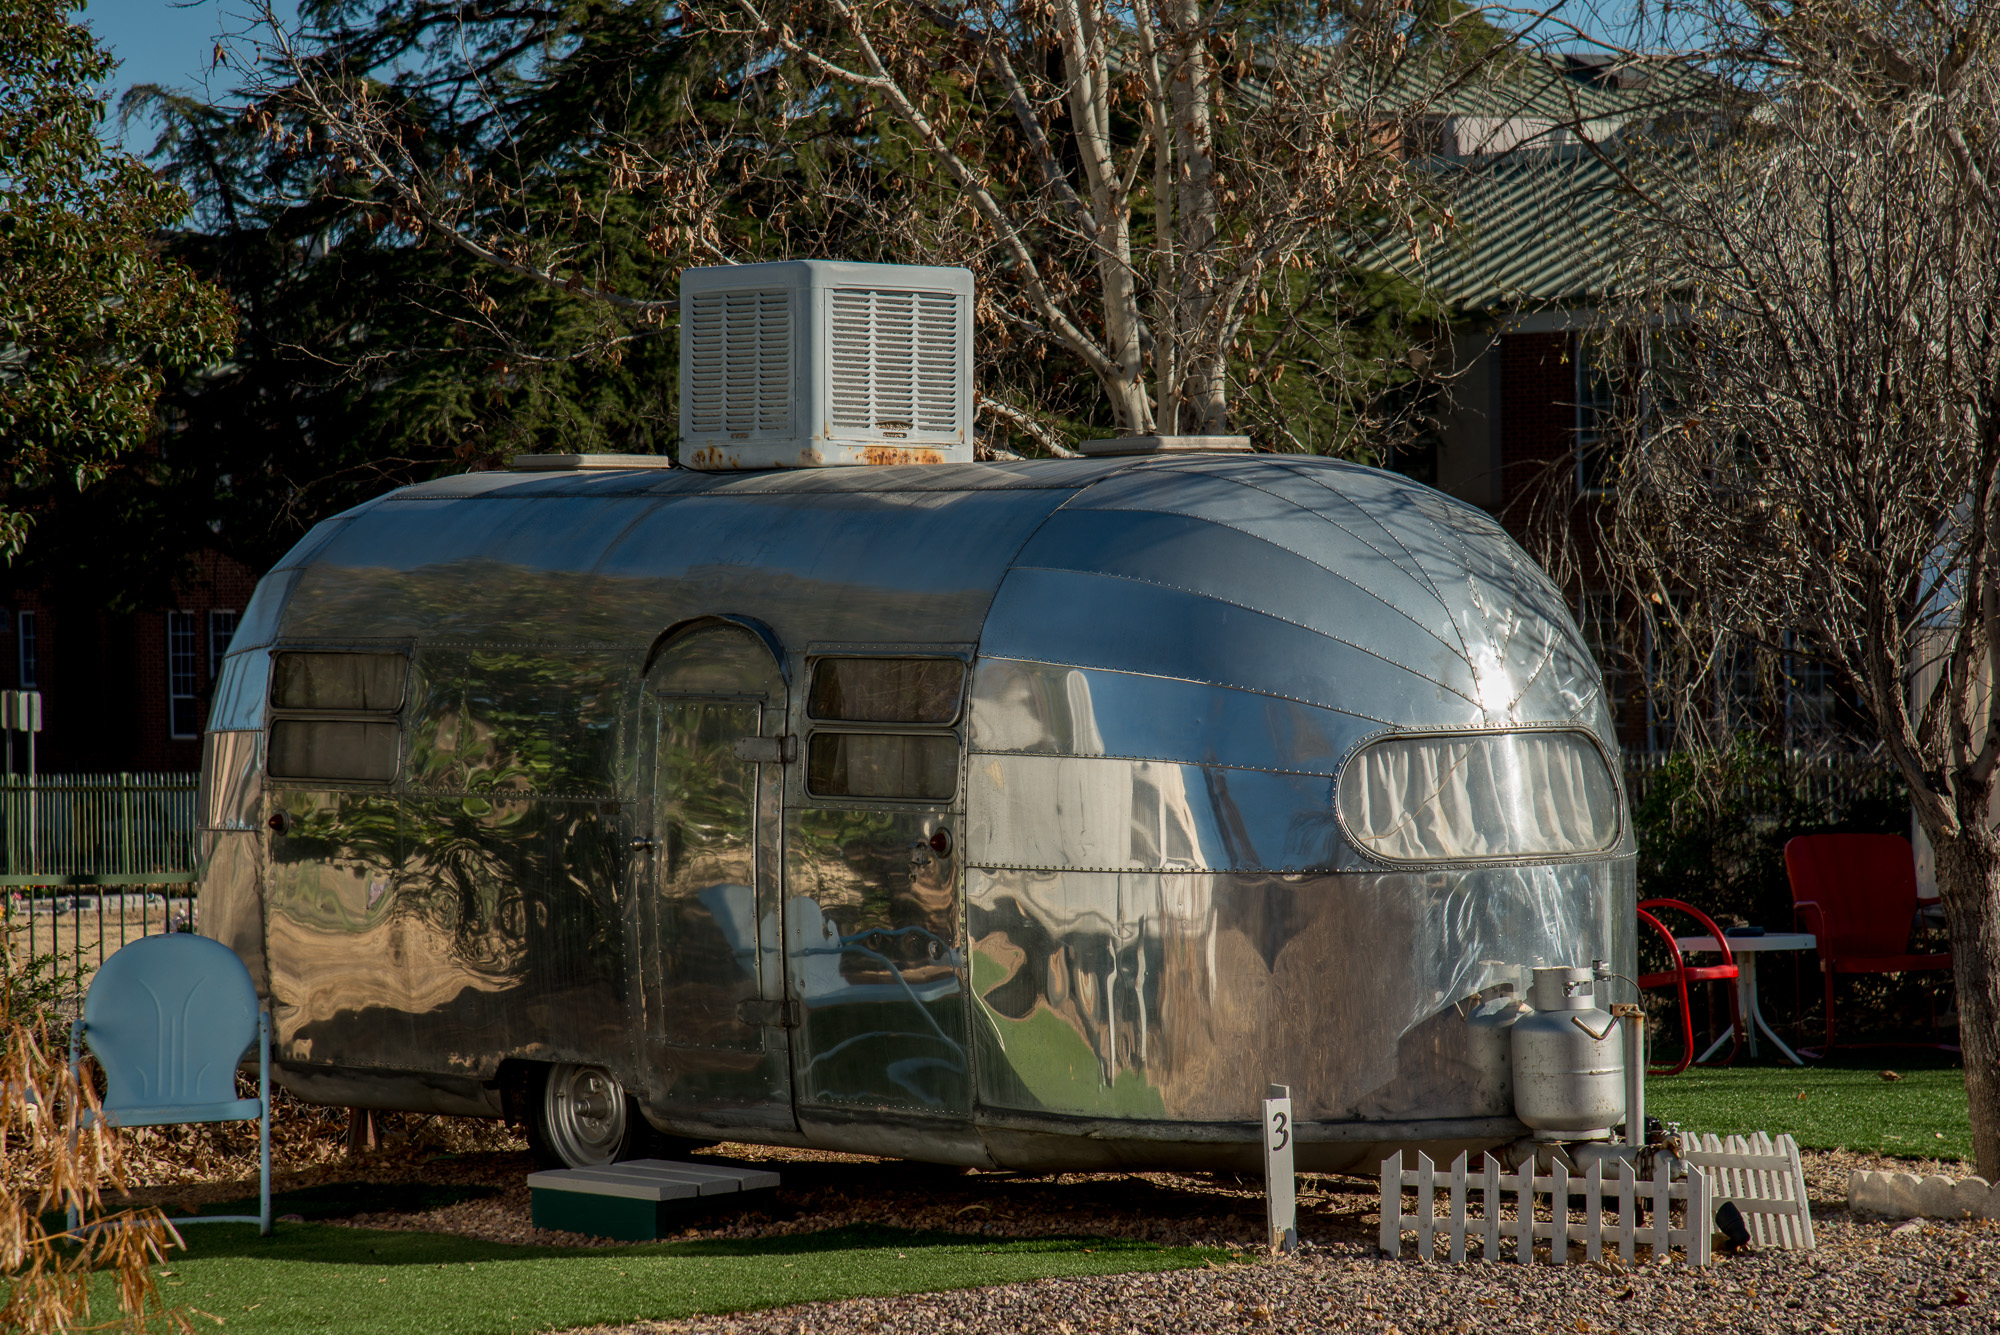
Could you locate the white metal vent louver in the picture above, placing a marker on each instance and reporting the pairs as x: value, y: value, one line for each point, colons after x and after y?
x: 895, y: 359
x: 740, y: 358
x: 806, y: 363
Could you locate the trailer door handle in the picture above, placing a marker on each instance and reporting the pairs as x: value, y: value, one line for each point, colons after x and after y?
x: 782, y: 1014
x: 767, y: 750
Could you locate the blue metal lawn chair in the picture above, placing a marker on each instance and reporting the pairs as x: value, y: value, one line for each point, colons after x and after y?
x: 168, y: 1018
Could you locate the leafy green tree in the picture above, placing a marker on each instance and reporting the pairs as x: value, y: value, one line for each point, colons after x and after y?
x: 374, y: 349
x: 94, y: 318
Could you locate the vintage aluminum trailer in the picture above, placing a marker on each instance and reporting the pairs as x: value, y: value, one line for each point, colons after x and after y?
x: 1028, y: 814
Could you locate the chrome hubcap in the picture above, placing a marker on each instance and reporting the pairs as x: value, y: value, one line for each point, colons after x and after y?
x: 584, y: 1110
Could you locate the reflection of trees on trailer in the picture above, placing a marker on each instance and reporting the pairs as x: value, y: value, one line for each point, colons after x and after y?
x: 1034, y: 814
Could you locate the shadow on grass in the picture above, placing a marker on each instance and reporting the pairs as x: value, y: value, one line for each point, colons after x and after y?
x: 343, y: 1200
x: 328, y: 1244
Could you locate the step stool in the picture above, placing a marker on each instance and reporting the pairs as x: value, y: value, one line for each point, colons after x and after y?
x: 639, y: 1200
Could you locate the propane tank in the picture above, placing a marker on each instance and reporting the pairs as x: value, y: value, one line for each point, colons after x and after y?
x: 1569, y: 1069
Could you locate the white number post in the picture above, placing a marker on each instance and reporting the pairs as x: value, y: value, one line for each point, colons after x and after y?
x: 1280, y: 1184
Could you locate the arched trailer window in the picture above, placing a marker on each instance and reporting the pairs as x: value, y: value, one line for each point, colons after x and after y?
x: 1461, y: 797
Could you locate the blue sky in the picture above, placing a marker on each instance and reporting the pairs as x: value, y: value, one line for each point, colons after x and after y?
x: 172, y: 42
x: 168, y: 42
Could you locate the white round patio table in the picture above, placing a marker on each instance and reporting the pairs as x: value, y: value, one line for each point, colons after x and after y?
x: 1745, y: 949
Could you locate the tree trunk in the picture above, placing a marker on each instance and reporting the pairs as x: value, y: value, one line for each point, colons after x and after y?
x: 1087, y: 67
x: 1968, y: 871
x: 1206, y: 394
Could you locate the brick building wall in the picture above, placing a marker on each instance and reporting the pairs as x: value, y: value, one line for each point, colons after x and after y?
x: 107, y: 690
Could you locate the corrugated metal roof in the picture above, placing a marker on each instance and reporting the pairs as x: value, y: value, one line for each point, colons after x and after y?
x: 1534, y: 229
x: 1535, y: 224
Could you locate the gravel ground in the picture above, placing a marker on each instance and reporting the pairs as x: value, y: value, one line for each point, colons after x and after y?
x: 1867, y: 1274
x: 1873, y: 1277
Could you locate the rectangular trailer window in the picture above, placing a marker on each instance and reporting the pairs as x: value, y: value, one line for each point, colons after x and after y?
x: 1457, y: 797
x: 333, y: 749
x: 920, y: 767
x: 335, y: 715
x: 887, y: 690
x: 342, y: 681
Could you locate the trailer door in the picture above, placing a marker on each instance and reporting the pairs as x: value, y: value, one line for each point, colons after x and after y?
x: 873, y: 918
x: 712, y: 753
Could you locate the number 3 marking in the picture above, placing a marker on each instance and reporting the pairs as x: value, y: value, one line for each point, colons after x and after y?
x: 1280, y: 1130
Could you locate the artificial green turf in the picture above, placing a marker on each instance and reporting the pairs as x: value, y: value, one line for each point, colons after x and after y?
x: 319, y: 1277
x: 1847, y: 1103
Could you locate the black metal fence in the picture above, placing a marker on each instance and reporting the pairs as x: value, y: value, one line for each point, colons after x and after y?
x: 87, y: 863
x: 1808, y: 779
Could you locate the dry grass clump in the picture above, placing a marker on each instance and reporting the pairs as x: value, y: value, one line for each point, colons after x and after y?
x: 52, y: 1166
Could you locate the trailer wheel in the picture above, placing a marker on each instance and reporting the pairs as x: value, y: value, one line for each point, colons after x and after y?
x: 582, y: 1117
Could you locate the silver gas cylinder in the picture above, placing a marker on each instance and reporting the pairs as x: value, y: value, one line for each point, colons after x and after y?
x: 1569, y: 1066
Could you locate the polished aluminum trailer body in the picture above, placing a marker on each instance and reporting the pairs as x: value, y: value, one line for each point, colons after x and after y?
x: 1116, y: 892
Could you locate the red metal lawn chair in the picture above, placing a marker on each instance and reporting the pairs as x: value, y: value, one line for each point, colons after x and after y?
x: 1858, y: 896
x: 1684, y: 973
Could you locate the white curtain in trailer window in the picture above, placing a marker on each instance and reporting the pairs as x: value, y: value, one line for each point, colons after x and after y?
x: 1456, y: 797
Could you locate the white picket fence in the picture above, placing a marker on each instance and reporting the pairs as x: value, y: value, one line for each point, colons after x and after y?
x: 1765, y: 1180
x: 1558, y: 1189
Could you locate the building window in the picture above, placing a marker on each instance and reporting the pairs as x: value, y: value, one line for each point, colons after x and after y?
x: 183, y: 675
x: 27, y: 641
x: 1596, y: 407
x: 221, y: 627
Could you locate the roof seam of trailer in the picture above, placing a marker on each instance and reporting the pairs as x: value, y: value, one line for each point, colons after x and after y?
x: 1415, y: 568
x: 1254, y: 611
x: 846, y: 481
x: 1332, y: 773
x: 1340, y: 575
x: 1195, y: 681
x: 1421, y: 575
x: 1416, y: 565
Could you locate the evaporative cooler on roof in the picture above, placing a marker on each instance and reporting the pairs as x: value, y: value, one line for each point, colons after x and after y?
x: 807, y: 363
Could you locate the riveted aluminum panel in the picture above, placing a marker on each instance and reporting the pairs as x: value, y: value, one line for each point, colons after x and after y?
x: 1051, y: 709
x: 238, y: 702
x: 232, y: 780
x: 445, y: 934
x: 1229, y: 566
x: 1178, y: 996
x: 570, y: 570
x: 517, y: 718
x: 1109, y: 814
x: 1441, y: 618
x: 1089, y: 620
x: 229, y: 905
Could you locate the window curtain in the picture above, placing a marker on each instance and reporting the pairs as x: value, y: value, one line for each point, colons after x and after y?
x: 1503, y: 795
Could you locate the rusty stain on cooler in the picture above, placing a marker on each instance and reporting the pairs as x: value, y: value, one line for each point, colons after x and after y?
x: 901, y: 454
